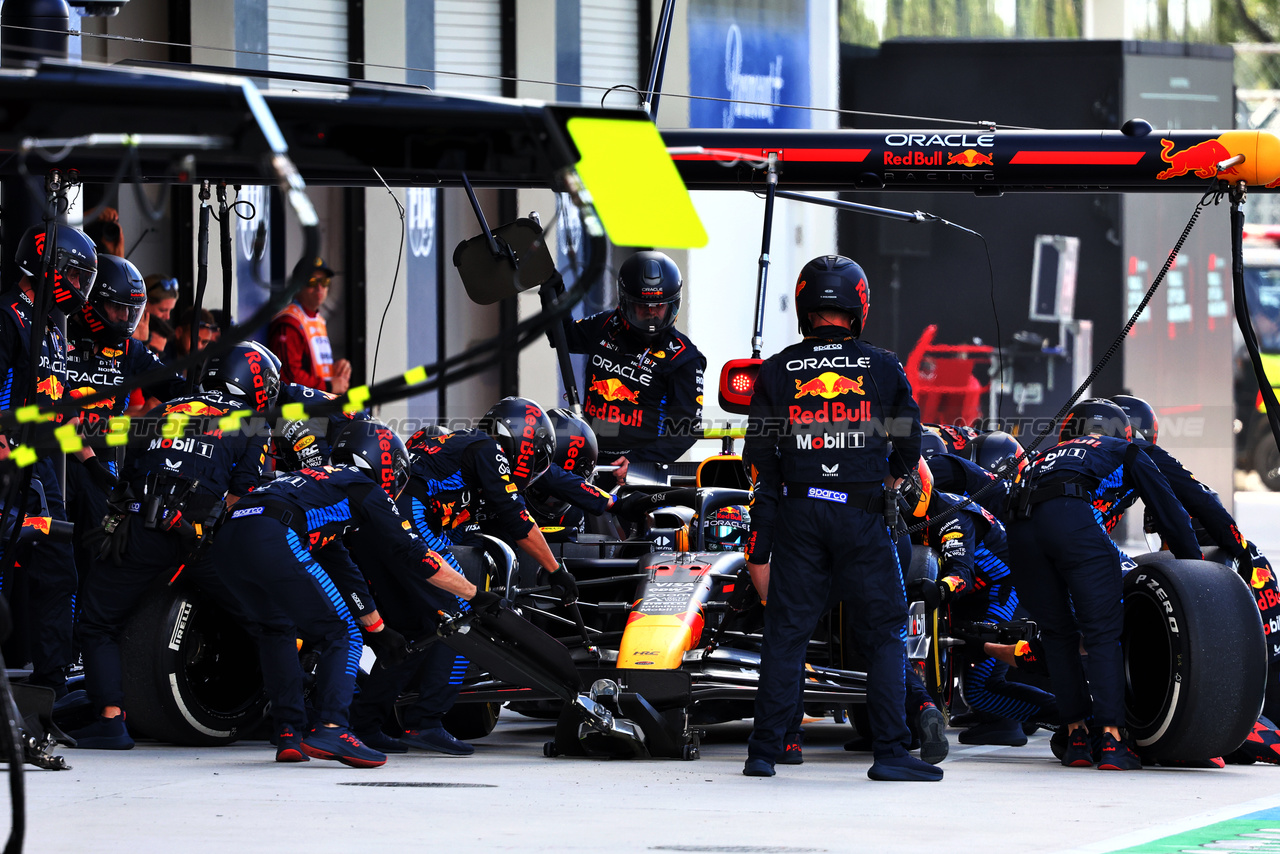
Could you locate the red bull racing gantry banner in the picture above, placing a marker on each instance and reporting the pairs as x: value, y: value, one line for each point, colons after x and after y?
x: 984, y: 162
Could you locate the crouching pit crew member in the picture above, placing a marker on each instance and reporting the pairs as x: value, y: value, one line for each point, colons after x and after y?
x: 643, y: 393
x: 451, y: 476
x: 819, y: 511
x: 177, y: 487
x: 1068, y: 570
x: 282, y: 554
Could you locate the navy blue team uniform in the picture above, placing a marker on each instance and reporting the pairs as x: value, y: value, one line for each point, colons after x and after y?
x: 959, y: 476
x: 282, y: 554
x: 215, y: 464
x: 449, y: 478
x: 563, y: 499
x: 975, y: 568
x: 315, y: 452
x: 1068, y: 570
x: 48, y: 567
x: 818, y: 441
x: 643, y: 402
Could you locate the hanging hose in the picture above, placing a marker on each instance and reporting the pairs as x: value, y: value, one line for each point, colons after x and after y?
x: 202, y: 280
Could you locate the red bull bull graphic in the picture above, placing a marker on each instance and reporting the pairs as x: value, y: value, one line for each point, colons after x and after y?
x: 87, y: 391
x: 51, y: 387
x: 39, y: 523
x: 970, y: 158
x: 1202, y: 159
x: 612, y: 389
x: 828, y: 384
x: 195, y: 407
x: 1262, y: 576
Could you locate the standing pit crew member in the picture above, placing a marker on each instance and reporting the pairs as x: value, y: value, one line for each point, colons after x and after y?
x: 643, y: 393
x: 102, y: 355
x: 831, y: 419
x: 178, y: 487
x: 1068, y: 570
x: 300, y: 337
x: 47, y: 567
x: 282, y: 553
x: 451, y: 477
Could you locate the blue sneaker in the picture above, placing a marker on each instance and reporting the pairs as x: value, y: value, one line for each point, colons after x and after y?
x: 792, y: 749
x: 757, y: 768
x: 379, y: 740
x: 436, y: 739
x: 104, y: 734
x: 904, y: 769
x: 289, y: 746
x: 340, y: 745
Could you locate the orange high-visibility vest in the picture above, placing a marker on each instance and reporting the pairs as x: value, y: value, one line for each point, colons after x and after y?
x: 317, y: 335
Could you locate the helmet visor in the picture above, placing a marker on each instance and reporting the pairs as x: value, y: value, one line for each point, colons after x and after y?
x: 120, y: 316
x: 649, y: 317
x: 75, y: 273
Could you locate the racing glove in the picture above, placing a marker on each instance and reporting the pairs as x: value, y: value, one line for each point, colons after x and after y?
x: 485, y: 602
x: 100, y: 474
x: 563, y: 583
x: 388, y: 644
x: 934, y: 594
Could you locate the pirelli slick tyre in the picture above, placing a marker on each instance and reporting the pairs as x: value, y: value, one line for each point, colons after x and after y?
x: 1194, y: 656
x: 191, y: 673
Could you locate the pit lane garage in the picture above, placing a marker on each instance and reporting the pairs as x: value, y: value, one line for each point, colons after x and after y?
x: 191, y: 675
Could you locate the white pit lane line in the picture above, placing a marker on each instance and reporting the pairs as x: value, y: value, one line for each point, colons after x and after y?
x: 1161, y: 831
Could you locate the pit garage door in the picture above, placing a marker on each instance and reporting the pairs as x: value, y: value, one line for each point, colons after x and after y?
x: 314, y: 29
x: 610, y: 49
x: 469, y: 41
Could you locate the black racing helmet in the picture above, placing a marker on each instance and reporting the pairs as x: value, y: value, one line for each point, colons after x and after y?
x: 991, y: 450
x: 75, y: 264
x: 956, y: 438
x: 247, y: 372
x: 833, y: 282
x: 525, y: 434
x: 424, y: 438
x: 649, y: 294
x: 931, y: 443
x: 1096, y: 416
x: 576, y: 447
x: 376, y: 450
x: 1142, y: 417
x: 119, y: 297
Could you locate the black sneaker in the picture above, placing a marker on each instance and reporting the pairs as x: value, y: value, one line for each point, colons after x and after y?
x: 1117, y: 756
x: 381, y: 742
x: 792, y: 750
x: 1078, y: 753
x: 757, y: 768
x: 933, y: 735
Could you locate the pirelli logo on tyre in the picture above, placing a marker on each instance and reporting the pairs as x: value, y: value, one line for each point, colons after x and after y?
x: 180, y: 626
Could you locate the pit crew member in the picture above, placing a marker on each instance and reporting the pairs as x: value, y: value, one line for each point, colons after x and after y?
x: 1068, y: 571
x: 817, y: 439
x: 643, y: 392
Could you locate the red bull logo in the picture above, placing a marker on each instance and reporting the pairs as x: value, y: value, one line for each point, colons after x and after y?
x: 194, y: 407
x: 50, y: 387
x: 970, y: 158
x: 40, y: 523
x: 1202, y: 159
x: 613, y: 389
x: 88, y: 390
x: 828, y: 384
x: 1262, y: 576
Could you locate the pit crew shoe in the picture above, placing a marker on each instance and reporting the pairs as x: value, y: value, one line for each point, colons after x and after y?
x: 289, y: 746
x: 933, y: 735
x: 1117, y: 756
x: 1078, y: 753
x: 792, y: 749
x: 341, y: 745
x: 104, y: 734
x: 436, y: 739
x: 1261, y: 745
x: 379, y: 740
x: 904, y: 769
x: 757, y: 768
x: 1003, y: 731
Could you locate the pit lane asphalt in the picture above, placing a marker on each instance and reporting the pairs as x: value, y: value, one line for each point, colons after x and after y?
x: 508, y: 797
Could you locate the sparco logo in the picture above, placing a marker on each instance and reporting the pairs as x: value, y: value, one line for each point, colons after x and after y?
x: 950, y: 140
